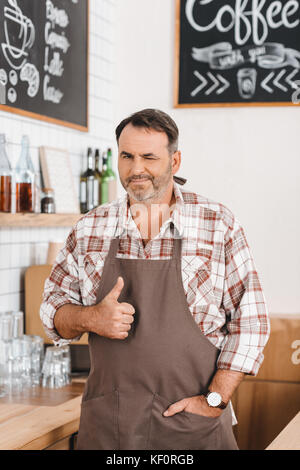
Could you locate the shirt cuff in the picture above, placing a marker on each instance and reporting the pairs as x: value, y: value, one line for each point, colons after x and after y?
x: 245, y: 359
x: 47, y: 313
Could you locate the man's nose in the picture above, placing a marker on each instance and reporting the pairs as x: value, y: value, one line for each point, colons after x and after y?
x: 138, y: 166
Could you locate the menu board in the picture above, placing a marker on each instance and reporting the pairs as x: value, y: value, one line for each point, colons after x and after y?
x: 237, y: 52
x: 44, y: 60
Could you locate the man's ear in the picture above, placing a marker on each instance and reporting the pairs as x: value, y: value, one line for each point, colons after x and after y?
x: 176, y: 161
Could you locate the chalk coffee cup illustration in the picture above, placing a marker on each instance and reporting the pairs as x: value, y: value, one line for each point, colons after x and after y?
x: 247, y: 82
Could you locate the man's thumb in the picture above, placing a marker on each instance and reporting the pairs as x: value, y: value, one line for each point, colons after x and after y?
x: 116, y: 290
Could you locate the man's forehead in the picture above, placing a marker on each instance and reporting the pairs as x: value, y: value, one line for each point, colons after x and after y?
x: 134, y: 137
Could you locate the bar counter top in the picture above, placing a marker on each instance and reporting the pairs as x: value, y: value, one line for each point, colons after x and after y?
x: 39, y: 417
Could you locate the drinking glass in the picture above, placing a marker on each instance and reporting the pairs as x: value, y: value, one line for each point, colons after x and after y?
x: 5, y: 349
x: 66, y: 363
x: 37, y: 356
x: 53, y: 374
x: 18, y: 324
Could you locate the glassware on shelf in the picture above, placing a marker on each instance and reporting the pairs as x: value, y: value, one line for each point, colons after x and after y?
x: 108, y: 179
x: 98, y: 162
x: 5, y: 178
x: 48, y: 202
x: 25, y: 180
x: 89, y: 185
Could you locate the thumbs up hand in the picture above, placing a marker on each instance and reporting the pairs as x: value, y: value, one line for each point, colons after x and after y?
x: 111, y: 318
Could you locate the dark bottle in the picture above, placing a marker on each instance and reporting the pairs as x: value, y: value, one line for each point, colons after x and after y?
x: 5, y: 178
x: 89, y: 189
x: 48, y: 202
x: 25, y: 180
x: 98, y: 174
x: 83, y: 186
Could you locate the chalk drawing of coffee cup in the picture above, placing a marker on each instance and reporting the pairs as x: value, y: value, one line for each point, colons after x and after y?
x: 247, y: 82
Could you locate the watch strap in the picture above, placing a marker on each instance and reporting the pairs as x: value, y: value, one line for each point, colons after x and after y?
x: 222, y: 405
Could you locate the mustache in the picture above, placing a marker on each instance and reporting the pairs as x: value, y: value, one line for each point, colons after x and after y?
x: 136, y: 178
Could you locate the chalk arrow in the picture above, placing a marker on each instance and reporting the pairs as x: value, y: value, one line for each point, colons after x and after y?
x: 214, y: 86
x: 202, y: 85
x: 276, y: 81
x: 288, y: 79
x: 226, y: 84
x: 265, y: 81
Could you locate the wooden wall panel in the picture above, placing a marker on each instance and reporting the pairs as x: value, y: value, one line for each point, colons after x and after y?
x: 263, y: 409
x: 35, y: 277
x: 265, y: 404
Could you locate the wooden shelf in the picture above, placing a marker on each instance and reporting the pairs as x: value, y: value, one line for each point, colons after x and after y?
x: 38, y: 220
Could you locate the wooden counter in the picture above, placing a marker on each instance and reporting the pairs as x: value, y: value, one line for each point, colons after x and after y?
x: 40, y: 417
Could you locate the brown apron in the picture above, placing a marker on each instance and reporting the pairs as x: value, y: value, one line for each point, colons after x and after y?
x: 165, y: 358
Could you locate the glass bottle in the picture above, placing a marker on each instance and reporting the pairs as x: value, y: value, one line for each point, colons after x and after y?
x: 89, y: 183
x: 48, y: 201
x: 5, y: 178
x: 25, y: 180
x: 82, y: 190
x: 109, y: 179
x: 98, y: 174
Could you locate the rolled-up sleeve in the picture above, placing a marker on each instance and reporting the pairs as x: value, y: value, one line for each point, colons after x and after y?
x: 61, y: 288
x: 248, y: 325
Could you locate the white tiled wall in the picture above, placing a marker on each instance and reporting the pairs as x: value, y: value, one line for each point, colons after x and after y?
x: 22, y: 247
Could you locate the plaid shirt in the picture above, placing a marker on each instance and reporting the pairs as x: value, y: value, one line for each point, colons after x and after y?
x: 221, y: 284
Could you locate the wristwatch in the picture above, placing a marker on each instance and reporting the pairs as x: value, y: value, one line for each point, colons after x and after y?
x: 214, y: 399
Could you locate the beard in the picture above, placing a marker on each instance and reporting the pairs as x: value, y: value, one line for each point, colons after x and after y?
x: 154, y: 190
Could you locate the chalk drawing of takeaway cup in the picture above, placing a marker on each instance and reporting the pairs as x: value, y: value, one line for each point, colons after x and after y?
x: 247, y: 82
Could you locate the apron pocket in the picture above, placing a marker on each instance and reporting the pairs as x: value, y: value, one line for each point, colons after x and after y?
x: 98, y: 429
x: 182, y: 431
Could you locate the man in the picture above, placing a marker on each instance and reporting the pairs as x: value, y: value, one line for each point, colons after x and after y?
x: 164, y: 282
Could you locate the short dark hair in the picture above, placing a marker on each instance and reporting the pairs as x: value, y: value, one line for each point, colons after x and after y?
x: 153, y: 119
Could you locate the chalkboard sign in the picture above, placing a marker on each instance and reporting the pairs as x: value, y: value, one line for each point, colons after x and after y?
x: 44, y: 60
x: 237, y: 53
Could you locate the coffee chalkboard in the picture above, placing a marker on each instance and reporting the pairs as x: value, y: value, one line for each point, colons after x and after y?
x: 237, y: 52
x: 44, y: 60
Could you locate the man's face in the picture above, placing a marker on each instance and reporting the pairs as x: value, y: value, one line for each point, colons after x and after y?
x: 145, y: 165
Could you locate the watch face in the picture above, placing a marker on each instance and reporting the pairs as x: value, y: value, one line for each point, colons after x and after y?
x: 214, y: 399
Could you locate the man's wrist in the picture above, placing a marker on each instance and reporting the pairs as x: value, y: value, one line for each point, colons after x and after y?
x: 225, y: 382
x: 86, y: 319
x: 208, y: 409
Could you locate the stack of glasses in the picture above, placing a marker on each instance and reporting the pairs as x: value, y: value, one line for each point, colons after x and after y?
x: 21, y: 356
x: 56, y: 369
x: 22, y: 363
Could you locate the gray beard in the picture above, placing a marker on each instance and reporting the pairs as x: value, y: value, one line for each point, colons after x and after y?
x: 155, y: 194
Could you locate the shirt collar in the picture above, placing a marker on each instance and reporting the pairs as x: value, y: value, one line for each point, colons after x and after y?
x: 126, y: 225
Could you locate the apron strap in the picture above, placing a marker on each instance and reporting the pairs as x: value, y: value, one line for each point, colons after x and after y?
x: 177, y: 243
x: 113, y: 249
x: 179, y: 180
x: 114, y: 245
